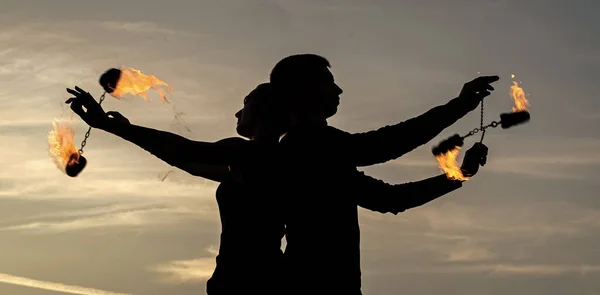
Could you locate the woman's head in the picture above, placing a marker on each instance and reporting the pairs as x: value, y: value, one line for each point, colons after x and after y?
x: 263, y: 114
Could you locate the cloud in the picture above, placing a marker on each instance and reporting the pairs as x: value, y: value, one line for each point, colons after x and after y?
x: 114, y: 217
x: 499, y: 269
x: 538, y: 270
x: 539, y: 220
x: 142, y: 27
x: 187, y: 271
x: 467, y: 253
x: 50, y: 286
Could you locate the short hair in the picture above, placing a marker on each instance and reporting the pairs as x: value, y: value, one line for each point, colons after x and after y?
x: 298, y: 69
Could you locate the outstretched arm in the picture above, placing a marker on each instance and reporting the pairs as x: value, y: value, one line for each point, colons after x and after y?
x: 379, y: 196
x: 211, y: 172
x: 175, y: 150
x: 376, y: 195
x: 179, y: 151
x: 391, y: 142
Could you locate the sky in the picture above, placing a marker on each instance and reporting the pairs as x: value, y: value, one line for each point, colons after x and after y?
x: 527, y: 223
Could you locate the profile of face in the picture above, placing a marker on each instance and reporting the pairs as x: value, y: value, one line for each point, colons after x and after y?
x: 325, y: 93
x: 247, y: 121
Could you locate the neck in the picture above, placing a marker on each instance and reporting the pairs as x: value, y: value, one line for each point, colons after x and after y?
x: 266, y: 137
x: 297, y: 120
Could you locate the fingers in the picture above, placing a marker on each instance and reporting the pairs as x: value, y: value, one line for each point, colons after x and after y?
x: 480, y: 148
x: 77, y: 108
x: 480, y: 151
x: 490, y: 79
x: 80, y: 94
x: 483, y: 94
x: 482, y: 83
x: 485, y: 79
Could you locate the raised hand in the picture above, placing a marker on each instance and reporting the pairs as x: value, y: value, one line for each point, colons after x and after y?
x: 93, y: 114
x: 476, y: 90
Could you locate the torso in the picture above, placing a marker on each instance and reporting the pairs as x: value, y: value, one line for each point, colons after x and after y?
x: 250, y: 247
x: 323, y: 233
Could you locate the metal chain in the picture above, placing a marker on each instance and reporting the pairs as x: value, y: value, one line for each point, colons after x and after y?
x: 87, y: 134
x: 481, y: 128
x: 494, y: 124
x: 481, y: 124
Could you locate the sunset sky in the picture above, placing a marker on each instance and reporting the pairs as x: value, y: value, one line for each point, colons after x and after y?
x: 528, y: 223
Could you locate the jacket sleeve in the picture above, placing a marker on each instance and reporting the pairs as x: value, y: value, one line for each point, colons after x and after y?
x: 391, y: 142
x: 376, y: 195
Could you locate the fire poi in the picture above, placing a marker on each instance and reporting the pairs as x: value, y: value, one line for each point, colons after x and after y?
x: 62, y: 149
x: 116, y: 82
x: 447, y: 151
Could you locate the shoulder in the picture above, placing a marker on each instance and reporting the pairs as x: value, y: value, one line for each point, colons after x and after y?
x: 233, y: 140
x: 330, y: 130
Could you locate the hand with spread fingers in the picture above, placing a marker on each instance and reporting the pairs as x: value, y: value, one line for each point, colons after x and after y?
x: 90, y: 111
x: 476, y: 90
x: 84, y: 105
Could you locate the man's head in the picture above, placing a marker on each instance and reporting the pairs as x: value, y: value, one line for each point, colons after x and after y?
x: 306, y: 81
x: 263, y: 113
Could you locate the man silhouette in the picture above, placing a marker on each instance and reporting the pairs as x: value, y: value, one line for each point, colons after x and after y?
x: 322, y: 185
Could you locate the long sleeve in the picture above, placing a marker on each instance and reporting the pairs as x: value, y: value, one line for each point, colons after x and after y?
x: 376, y: 195
x: 179, y: 151
x: 390, y: 142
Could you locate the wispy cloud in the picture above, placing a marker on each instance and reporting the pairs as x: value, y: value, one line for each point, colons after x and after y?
x: 499, y: 269
x: 187, y: 271
x: 142, y: 27
x: 140, y: 216
x: 136, y: 218
x: 466, y: 253
x: 546, y: 219
x: 50, y: 286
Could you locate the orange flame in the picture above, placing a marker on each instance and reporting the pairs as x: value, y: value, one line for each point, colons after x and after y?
x: 518, y: 96
x: 62, y: 148
x: 134, y: 82
x: 448, y: 165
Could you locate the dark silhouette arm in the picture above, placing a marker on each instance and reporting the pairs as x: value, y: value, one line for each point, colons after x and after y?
x: 376, y: 195
x: 211, y: 172
x: 181, y: 152
x: 390, y: 142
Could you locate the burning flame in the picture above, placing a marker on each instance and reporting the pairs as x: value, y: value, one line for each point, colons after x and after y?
x: 134, y: 82
x: 62, y: 148
x: 448, y: 165
x: 518, y: 96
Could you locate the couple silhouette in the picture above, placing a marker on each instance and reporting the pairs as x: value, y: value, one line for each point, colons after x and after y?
x: 293, y: 175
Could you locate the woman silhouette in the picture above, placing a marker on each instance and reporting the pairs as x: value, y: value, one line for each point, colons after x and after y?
x: 250, y: 256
